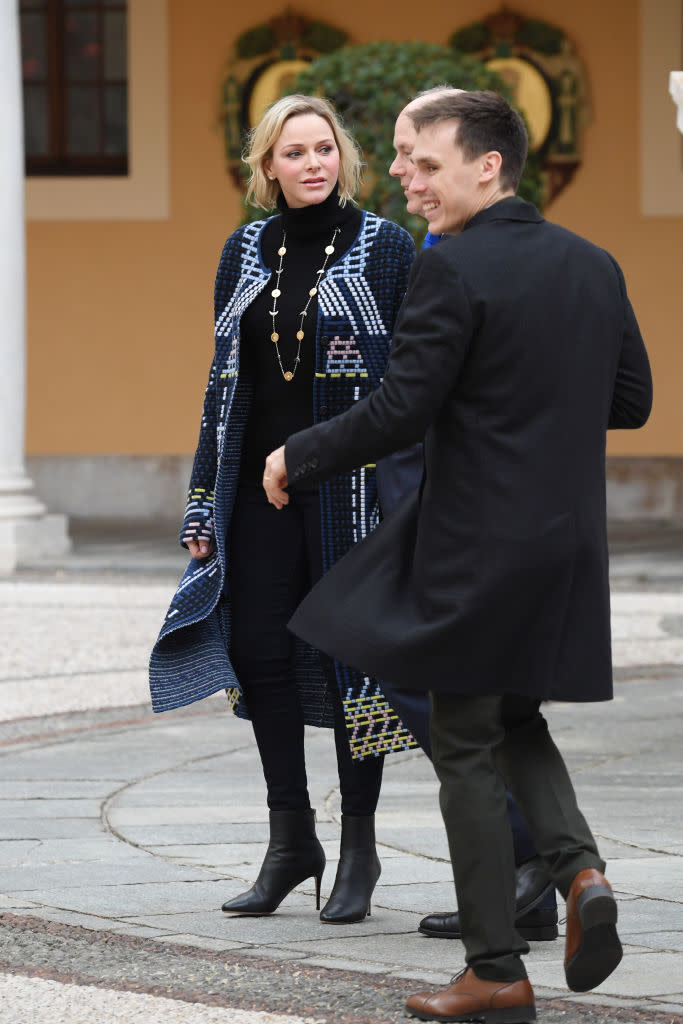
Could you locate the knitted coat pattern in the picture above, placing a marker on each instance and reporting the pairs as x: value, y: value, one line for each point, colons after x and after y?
x: 358, y: 301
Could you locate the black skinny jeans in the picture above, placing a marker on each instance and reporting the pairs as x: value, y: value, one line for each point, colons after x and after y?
x: 275, y: 557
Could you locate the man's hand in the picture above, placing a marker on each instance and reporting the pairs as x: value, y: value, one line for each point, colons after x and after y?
x: 199, y: 548
x: 275, y: 478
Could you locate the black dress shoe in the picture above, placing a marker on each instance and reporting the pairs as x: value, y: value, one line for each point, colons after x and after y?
x: 533, y: 885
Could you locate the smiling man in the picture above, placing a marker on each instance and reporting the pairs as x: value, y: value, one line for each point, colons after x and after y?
x: 535, y: 901
x: 451, y: 186
x: 516, y: 350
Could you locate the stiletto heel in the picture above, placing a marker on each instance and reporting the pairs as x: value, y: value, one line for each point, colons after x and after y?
x: 293, y: 855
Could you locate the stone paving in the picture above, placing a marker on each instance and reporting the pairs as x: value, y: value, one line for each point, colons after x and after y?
x: 122, y: 832
x: 44, y: 1002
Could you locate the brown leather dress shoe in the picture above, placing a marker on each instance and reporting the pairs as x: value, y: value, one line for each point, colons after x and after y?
x: 592, y: 947
x: 470, y: 998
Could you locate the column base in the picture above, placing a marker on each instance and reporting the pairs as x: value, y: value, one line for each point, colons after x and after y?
x: 33, y: 540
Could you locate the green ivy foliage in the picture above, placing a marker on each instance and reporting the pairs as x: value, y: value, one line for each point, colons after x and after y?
x: 369, y: 84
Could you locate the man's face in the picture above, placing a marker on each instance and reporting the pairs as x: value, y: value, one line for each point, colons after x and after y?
x: 448, y: 188
x: 402, y: 167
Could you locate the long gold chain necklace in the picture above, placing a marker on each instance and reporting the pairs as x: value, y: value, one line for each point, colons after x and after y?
x: 276, y: 293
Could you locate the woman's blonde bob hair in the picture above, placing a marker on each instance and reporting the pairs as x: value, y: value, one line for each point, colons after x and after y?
x: 263, y: 192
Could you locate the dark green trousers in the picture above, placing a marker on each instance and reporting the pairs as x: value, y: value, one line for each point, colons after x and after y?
x: 481, y: 745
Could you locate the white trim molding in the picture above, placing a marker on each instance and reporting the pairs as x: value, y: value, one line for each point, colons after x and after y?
x: 661, y: 146
x: 143, y: 194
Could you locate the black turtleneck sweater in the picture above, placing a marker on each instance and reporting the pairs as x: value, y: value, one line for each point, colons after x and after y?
x: 279, y: 407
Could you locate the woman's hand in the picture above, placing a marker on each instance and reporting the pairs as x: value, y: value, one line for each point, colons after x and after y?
x: 199, y: 548
x: 275, y: 478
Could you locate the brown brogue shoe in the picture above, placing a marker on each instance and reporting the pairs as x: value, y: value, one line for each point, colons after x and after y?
x: 592, y: 947
x: 470, y: 998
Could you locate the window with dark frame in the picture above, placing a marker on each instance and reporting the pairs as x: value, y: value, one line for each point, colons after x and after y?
x: 74, y: 61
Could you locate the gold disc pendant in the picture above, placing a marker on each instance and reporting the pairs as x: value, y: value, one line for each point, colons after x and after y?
x: 300, y: 335
x: 288, y: 375
x: 275, y: 336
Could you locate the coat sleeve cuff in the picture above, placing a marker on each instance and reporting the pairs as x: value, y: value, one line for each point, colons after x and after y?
x: 198, y: 521
x: 301, y: 458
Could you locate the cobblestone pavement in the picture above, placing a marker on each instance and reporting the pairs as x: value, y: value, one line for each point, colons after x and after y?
x: 60, y: 973
x: 122, y: 832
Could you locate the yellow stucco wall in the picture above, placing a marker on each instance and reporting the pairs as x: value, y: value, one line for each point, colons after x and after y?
x: 120, y: 313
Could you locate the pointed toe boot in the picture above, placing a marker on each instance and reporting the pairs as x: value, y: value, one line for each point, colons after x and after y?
x: 357, y: 873
x: 293, y: 855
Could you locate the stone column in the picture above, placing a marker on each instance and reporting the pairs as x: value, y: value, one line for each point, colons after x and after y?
x: 676, y: 90
x: 27, y: 533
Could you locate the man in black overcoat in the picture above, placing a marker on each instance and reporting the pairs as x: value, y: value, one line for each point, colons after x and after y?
x: 516, y: 350
x: 536, y: 903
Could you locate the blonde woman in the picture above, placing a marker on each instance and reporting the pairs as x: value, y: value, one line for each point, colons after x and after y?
x: 305, y: 303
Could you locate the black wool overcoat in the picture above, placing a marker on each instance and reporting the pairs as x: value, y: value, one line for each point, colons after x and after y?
x: 515, y: 351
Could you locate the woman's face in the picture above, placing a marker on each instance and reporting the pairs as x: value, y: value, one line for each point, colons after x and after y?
x: 305, y: 160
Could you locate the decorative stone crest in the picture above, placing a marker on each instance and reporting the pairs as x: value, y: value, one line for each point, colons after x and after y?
x: 265, y: 59
x: 547, y: 80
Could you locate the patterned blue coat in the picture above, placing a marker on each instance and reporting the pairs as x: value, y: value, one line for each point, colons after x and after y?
x: 358, y: 302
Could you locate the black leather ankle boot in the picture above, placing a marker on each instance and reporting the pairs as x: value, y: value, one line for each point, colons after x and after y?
x: 293, y: 855
x: 357, y: 873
